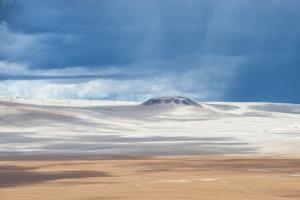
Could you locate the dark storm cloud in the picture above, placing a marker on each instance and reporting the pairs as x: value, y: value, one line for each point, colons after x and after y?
x: 96, y: 33
x: 267, y: 78
x: 252, y: 47
x: 4, y: 77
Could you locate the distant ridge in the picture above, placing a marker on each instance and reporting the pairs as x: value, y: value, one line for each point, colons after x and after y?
x: 177, y: 100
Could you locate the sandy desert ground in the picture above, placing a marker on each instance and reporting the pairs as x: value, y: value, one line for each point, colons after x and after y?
x: 194, y: 177
x: 88, y: 149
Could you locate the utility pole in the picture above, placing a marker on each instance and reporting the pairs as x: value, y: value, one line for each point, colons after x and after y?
x: 18, y: 99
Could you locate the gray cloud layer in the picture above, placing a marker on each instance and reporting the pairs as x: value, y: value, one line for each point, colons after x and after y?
x: 209, y: 49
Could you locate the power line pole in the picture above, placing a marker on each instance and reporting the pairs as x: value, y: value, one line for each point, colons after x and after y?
x: 17, y: 100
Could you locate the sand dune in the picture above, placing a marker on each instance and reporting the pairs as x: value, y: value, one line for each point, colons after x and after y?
x: 126, y: 128
x: 88, y: 150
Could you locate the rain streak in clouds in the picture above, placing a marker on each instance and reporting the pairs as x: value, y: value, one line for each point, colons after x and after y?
x: 207, y: 50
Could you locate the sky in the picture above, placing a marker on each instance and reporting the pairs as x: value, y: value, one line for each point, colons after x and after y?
x: 209, y: 50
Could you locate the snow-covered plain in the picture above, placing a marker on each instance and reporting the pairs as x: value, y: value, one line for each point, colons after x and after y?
x: 94, y: 127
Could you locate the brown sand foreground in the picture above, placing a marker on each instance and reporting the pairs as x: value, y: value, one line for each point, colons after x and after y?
x: 191, y: 177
